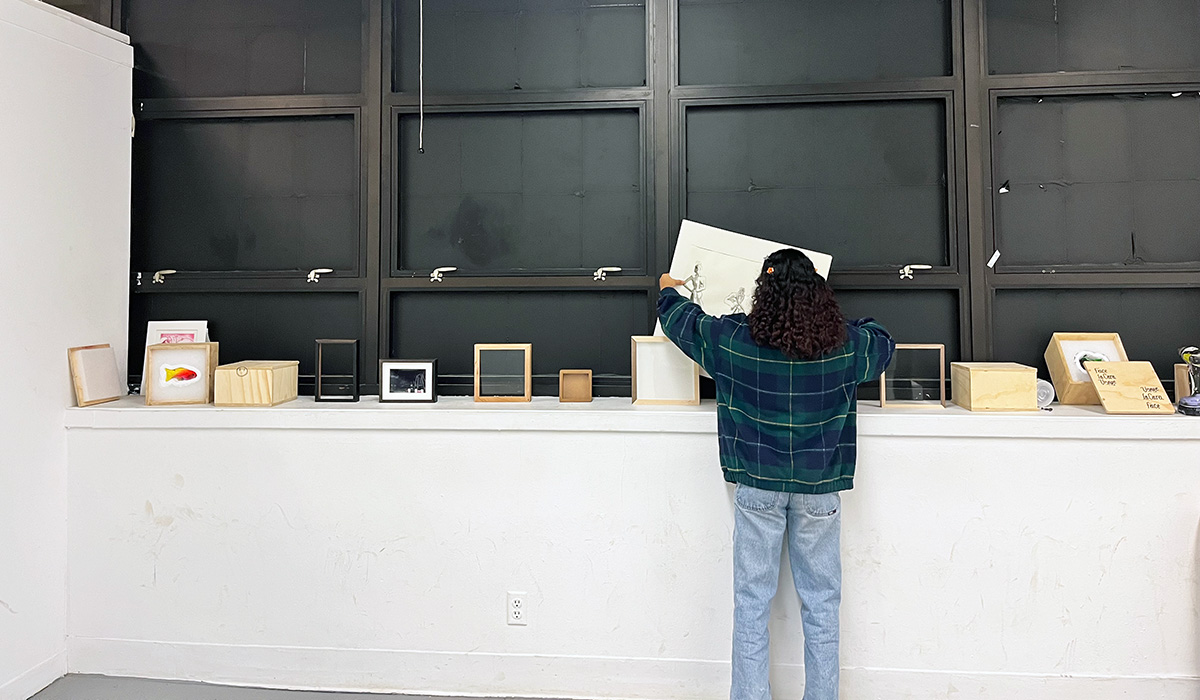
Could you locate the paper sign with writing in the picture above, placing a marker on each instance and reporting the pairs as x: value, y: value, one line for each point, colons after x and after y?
x: 1129, y: 387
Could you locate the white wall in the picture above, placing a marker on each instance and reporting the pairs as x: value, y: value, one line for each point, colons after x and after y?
x: 362, y: 548
x: 64, y: 256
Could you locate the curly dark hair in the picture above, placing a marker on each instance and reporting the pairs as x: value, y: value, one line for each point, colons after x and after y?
x: 794, y: 310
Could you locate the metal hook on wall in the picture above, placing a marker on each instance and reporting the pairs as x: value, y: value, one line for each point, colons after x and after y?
x: 906, y: 272
x: 601, y: 274
x: 159, y: 276
x: 315, y: 275
x: 439, y: 273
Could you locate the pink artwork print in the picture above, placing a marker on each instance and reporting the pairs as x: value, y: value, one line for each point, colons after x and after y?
x: 170, y: 337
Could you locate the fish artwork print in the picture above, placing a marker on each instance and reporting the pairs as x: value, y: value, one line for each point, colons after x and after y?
x: 178, y: 375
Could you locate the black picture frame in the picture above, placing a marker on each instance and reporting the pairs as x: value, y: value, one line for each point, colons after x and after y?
x: 351, y: 379
x: 418, y: 374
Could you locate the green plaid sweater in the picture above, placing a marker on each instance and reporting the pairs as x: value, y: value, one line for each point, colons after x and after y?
x: 783, y: 424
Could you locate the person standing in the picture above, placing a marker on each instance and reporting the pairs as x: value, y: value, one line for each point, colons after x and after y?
x: 786, y: 378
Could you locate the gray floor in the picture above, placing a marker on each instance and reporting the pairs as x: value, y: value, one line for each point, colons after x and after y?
x: 106, y: 688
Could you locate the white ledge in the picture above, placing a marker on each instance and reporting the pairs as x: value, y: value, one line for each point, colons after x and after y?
x: 618, y: 415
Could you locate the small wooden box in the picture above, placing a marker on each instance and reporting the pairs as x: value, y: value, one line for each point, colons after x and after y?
x: 1071, y: 381
x: 575, y: 386
x: 993, y: 386
x: 257, y: 383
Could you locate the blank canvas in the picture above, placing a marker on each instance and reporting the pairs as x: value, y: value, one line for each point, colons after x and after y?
x: 94, y: 374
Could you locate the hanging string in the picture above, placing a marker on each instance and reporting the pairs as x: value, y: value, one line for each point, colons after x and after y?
x: 421, y: 88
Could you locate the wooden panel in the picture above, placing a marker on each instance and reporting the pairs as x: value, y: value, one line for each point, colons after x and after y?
x: 1129, y: 388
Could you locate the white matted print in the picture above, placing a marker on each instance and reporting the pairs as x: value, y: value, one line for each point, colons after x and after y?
x: 407, y: 380
x: 662, y: 374
x: 719, y: 267
x: 94, y: 374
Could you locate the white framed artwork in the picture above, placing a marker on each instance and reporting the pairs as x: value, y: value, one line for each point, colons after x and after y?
x: 662, y: 375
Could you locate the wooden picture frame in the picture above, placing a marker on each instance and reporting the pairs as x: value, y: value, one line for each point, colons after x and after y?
x: 94, y: 375
x: 575, y: 386
x: 1071, y: 381
x: 481, y: 349
x: 172, y: 332
x: 204, y: 375
x: 422, y: 391
x: 678, y: 377
x: 883, y: 402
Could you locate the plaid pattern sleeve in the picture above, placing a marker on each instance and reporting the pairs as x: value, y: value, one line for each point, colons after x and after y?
x: 692, y: 330
x: 782, y: 424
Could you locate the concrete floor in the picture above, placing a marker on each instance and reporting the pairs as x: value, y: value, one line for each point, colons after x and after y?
x: 106, y: 688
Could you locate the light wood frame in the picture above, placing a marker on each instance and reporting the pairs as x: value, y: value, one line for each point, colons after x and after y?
x: 941, y: 375
x: 527, y: 348
x: 213, y: 352
x: 566, y: 396
x: 74, y: 359
x: 1070, y: 391
x: 694, y: 401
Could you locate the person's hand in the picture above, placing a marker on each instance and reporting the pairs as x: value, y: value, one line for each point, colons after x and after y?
x: 668, y: 281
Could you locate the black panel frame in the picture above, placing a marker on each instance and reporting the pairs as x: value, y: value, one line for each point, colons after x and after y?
x: 983, y: 92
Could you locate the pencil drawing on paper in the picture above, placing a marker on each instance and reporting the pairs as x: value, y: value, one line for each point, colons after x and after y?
x: 737, y: 301
x: 694, y: 284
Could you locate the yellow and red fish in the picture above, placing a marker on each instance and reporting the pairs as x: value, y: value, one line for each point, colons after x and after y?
x: 178, y: 374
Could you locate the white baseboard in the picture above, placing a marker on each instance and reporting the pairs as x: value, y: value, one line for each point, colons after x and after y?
x: 544, y: 676
x: 35, y: 679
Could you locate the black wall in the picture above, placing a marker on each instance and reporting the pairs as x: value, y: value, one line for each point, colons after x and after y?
x: 277, y: 136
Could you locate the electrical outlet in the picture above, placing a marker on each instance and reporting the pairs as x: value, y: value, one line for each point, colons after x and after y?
x: 517, y: 609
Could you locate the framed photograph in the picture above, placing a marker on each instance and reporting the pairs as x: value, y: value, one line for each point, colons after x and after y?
x: 407, y: 381
x: 1066, y: 357
x: 504, y: 372
x: 172, y: 333
x: 914, y: 394
x: 180, y: 373
x: 94, y: 375
x: 662, y: 375
x: 337, y: 370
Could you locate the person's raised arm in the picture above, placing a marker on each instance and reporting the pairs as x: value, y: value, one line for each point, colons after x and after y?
x: 875, y: 351
x: 685, y: 323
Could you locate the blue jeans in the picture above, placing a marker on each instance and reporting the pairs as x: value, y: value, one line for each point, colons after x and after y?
x: 813, y: 525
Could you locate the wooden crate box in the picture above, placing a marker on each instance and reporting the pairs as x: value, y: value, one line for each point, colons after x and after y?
x: 257, y: 383
x: 993, y: 386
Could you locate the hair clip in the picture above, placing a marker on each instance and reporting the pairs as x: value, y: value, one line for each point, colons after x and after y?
x: 770, y: 270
